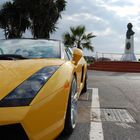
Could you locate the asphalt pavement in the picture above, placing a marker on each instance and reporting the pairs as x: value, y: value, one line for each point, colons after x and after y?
x: 119, y: 99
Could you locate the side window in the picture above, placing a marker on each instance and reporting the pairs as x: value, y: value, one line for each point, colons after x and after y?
x: 66, y: 56
x: 69, y: 53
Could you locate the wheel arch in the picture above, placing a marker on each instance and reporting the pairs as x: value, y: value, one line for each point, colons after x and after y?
x: 71, y: 72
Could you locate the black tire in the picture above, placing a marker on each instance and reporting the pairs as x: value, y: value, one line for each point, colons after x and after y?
x: 69, y: 127
x: 84, y: 90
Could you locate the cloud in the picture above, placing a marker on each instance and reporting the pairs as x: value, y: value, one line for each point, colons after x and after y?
x: 121, y: 8
x: 84, y: 16
x: 107, y: 32
x: 123, y: 11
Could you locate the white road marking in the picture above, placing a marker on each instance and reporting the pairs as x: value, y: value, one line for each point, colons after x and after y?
x: 96, y: 130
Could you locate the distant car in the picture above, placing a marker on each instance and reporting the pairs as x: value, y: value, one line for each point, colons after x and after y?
x: 89, y: 59
x: 40, y: 82
x: 103, y: 59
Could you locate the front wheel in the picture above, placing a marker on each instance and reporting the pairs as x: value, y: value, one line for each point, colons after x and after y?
x: 71, y: 114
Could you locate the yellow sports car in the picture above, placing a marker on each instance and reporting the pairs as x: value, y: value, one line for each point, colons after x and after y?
x: 40, y: 82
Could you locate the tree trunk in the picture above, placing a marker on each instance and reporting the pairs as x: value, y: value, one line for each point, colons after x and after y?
x: 79, y: 45
x: 5, y: 34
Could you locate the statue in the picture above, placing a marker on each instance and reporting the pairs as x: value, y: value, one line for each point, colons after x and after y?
x: 129, y: 32
x: 129, y: 45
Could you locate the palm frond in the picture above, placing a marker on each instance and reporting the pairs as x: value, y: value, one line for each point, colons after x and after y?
x: 90, y: 35
x: 68, y: 39
x: 88, y: 46
x: 79, y: 38
x: 61, y: 5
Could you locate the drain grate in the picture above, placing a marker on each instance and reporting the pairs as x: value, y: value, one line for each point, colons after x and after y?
x: 112, y: 115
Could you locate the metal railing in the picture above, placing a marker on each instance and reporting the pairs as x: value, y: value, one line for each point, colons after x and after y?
x: 111, y: 56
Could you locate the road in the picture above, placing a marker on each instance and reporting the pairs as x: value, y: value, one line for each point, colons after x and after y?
x: 116, y: 114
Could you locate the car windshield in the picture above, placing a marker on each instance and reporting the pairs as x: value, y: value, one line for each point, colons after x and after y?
x: 30, y: 48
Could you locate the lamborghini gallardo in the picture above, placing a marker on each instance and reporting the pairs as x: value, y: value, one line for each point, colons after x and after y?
x: 40, y: 83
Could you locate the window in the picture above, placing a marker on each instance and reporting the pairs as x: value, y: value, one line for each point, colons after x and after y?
x: 69, y: 53
x: 30, y: 48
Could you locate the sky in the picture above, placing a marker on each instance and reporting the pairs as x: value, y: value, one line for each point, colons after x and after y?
x: 107, y: 19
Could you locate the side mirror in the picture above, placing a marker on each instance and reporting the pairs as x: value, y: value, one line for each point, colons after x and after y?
x: 77, y: 54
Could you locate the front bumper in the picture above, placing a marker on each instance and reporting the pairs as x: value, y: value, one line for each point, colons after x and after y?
x: 11, y: 125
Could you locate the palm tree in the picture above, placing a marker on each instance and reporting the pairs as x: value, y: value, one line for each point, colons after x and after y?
x: 40, y: 16
x: 13, y: 21
x: 3, y: 23
x: 6, y: 22
x: 78, y: 38
x: 43, y: 15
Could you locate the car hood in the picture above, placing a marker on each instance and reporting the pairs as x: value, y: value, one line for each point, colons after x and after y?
x: 13, y: 73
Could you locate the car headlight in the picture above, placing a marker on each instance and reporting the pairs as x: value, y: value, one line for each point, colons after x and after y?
x: 25, y: 92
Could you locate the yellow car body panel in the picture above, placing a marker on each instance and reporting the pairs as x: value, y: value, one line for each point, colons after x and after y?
x: 44, y: 118
x: 12, y: 73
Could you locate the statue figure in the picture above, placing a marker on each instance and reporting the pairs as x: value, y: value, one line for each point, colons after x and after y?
x: 129, y: 32
x: 129, y: 45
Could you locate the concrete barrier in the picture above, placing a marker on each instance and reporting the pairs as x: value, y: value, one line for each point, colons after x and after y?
x: 116, y: 66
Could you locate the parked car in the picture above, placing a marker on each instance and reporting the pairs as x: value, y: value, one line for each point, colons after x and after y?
x: 40, y: 83
x: 103, y: 59
x: 89, y: 59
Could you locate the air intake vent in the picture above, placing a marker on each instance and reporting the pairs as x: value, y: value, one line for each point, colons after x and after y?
x: 12, y: 132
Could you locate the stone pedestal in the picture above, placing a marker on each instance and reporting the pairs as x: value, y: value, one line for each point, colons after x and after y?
x: 129, y: 50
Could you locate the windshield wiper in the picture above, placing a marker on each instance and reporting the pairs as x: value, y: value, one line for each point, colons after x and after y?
x: 11, y: 57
